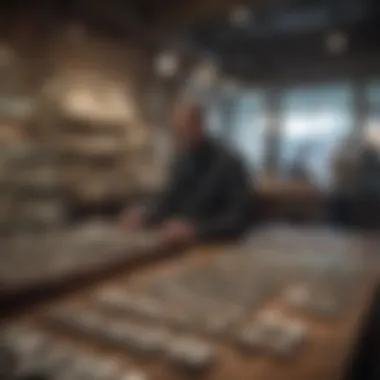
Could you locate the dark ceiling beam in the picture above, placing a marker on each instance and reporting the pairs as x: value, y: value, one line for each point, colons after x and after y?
x: 129, y: 19
x: 363, y: 35
x: 255, y: 59
x: 187, y: 14
x: 340, y: 70
x: 116, y: 12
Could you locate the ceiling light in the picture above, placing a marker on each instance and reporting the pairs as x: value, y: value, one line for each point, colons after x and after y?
x: 166, y: 65
x: 241, y: 16
x: 337, y: 42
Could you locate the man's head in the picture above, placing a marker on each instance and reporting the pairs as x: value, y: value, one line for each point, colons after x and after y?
x: 188, y: 124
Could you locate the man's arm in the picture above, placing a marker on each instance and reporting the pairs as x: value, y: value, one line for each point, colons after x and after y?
x: 237, y: 215
x: 166, y: 204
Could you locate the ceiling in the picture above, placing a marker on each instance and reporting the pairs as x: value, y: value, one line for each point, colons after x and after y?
x: 291, y: 34
x: 163, y: 14
x: 277, y: 37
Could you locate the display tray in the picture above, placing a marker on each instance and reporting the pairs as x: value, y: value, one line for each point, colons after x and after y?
x: 268, y: 309
x: 41, y: 260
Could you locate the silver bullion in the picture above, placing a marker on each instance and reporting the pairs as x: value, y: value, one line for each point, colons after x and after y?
x: 134, y: 375
x: 191, y: 354
x: 139, y: 339
x: 289, y: 340
x: 254, y: 337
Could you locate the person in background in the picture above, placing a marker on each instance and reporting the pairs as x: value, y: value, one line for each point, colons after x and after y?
x: 208, y: 195
x: 345, y: 169
x: 357, y: 192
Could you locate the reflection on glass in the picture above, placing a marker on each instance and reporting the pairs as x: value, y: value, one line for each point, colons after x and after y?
x: 214, y: 116
x: 315, y: 123
x: 247, y: 129
x: 372, y: 128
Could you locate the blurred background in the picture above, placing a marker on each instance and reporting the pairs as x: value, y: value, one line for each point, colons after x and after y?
x: 87, y: 86
x: 86, y: 92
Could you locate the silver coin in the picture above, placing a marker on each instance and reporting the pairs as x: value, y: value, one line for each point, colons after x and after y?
x: 289, y: 339
x: 134, y: 375
x: 254, y: 337
x: 191, y: 353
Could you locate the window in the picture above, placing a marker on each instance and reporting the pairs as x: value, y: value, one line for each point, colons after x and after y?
x: 315, y: 122
x: 246, y: 133
x: 215, y: 119
x: 372, y: 128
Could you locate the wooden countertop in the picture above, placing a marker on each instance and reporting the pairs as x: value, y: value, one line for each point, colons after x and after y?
x: 330, y: 342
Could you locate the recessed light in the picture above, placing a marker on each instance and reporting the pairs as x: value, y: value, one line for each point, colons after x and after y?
x: 337, y: 42
x: 166, y: 64
x: 241, y: 16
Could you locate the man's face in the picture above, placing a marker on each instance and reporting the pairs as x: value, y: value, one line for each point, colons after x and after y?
x: 187, y: 126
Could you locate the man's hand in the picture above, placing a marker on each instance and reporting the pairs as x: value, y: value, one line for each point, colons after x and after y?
x: 178, y: 231
x: 133, y: 219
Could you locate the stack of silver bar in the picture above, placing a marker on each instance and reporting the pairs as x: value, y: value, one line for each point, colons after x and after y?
x: 205, y: 299
x: 137, y: 338
x: 51, y: 256
x: 30, y: 189
x: 273, y: 332
x: 258, y: 302
x: 214, y: 297
x: 37, y: 353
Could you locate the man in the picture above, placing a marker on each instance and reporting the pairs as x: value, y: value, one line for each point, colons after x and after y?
x: 208, y: 195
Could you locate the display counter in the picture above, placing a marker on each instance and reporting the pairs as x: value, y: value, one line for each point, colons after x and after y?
x: 284, y: 304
